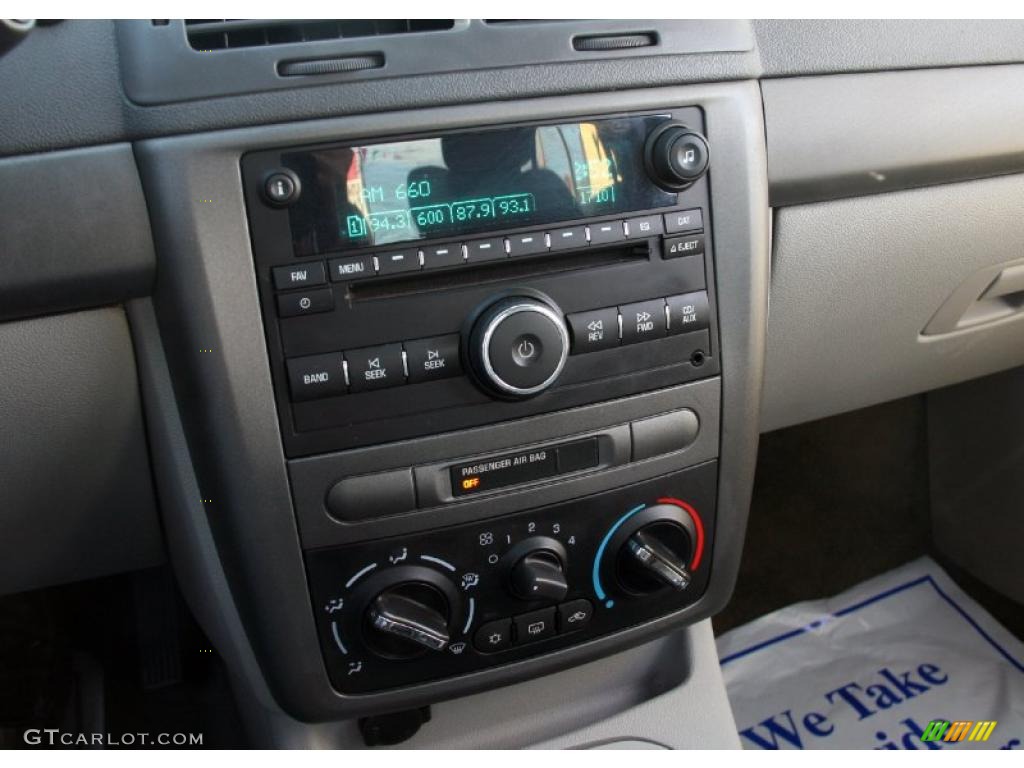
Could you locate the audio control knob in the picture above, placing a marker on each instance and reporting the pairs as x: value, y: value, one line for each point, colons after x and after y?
x: 675, y: 156
x: 518, y: 346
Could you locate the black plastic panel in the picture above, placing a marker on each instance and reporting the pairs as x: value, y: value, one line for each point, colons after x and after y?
x: 471, y: 558
x: 427, y: 303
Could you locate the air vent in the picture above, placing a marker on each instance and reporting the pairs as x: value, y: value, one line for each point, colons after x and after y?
x: 219, y: 34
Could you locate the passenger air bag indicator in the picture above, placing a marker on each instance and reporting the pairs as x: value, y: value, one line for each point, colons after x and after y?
x: 514, y: 468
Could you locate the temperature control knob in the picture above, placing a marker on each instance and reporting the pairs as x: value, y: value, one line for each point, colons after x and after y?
x: 649, y: 554
x: 675, y: 156
x: 652, y: 550
x: 518, y: 346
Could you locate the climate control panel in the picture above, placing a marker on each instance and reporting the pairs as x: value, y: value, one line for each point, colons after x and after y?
x: 396, y: 612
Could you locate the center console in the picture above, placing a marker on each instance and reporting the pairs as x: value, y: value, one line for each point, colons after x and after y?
x: 494, y: 391
x: 433, y: 283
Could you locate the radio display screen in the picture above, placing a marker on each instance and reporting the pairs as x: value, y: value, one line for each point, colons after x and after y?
x: 472, y: 182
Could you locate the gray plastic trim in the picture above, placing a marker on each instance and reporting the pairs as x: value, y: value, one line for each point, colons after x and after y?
x: 75, y: 231
x: 190, y: 542
x: 159, y: 66
x: 854, y: 283
x: 431, y: 457
x: 76, y: 493
x: 848, y: 135
x: 207, y: 299
x: 822, y: 46
x: 693, y: 715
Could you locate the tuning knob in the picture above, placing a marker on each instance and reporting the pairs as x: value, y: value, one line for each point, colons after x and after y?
x: 675, y: 156
x: 537, y: 569
x: 518, y: 346
x: 651, y: 550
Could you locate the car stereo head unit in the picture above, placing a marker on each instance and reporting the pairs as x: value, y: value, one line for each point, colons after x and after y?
x: 425, y: 284
x: 469, y: 183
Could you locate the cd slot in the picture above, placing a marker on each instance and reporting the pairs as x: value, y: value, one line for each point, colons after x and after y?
x: 496, y: 271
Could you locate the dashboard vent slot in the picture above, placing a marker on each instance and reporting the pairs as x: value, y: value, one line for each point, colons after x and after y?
x: 614, y: 42
x: 220, y: 34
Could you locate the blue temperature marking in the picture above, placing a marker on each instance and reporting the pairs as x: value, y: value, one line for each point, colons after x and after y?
x: 598, y: 589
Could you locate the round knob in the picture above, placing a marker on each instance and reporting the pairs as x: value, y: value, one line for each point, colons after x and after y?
x: 652, y: 550
x: 536, y: 569
x: 281, y: 188
x: 406, y: 619
x: 539, y: 576
x: 518, y: 346
x: 676, y: 156
x: 656, y: 556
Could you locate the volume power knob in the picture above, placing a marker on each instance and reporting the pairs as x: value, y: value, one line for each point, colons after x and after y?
x: 518, y: 346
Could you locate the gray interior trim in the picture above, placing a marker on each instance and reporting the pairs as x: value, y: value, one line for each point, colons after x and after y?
x: 854, y: 282
x: 190, y: 543
x: 62, y: 88
x: 76, y: 493
x: 848, y: 135
x: 87, y: 105
x: 668, y: 692
x: 75, y: 231
x: 693, y: 715
x: 159, y: 66
x: 823, y: 46
x: 314, y: 475
x: 207, y: 299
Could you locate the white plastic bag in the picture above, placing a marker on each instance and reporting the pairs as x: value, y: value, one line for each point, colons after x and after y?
x: 872, y: 667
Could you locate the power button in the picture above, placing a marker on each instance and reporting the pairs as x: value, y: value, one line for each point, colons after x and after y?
x: 518, y: 346
x: 526, y: 350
